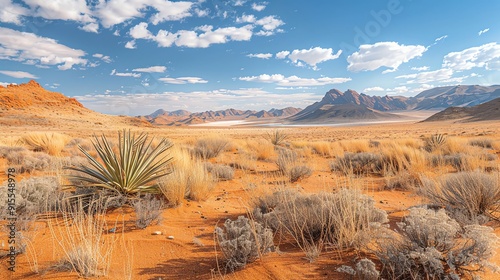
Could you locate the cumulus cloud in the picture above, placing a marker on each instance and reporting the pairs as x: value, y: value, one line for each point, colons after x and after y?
x: 260, y: 55
x: 201, y: 37
x: 440, y: 75
x: 259, y: 7
x: 483, y: 31
x: 114, y: 12
x: 28, y: 47
x: 130, y: 45
x: 486, y: 56
x: 76, y: 10
x: 102, y: 57
x: 281, y: 80
x: 183, y: 80
x: 373, y: 89
x: 151, y: 69
x: 383, y: 54
x: 310, y: 56
x: 12, y: 12
x: 19, y: 74
x: 246, y: 19
x: 269, y: 23
x: 119, y: 74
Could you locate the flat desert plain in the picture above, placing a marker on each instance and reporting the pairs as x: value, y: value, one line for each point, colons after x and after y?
x: 181, y: 244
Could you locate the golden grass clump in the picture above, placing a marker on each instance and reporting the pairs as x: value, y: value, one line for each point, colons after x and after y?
x: 189, y: 178
x: 327, y: 149
x: 263, y: 150
x: 50, y: 143
x: 399, y: 157
x: 355, y: 146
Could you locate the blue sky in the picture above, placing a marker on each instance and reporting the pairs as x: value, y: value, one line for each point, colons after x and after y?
x: 135, y: 56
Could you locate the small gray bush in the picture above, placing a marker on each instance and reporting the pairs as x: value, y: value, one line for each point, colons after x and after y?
x: 482, y: 142
x: 220, y: 172
x: 207, y: 148
x: 468, y: 197
x: 299, y: 171
x: 242, y: 241
x: 147, y: 210
x: 358, y: 163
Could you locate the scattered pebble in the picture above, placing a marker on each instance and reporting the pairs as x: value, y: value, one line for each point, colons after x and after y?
x: 170, y: 237
x: 156, y: 232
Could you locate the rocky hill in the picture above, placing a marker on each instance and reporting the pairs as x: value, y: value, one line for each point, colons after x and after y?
x: 453, y: 96
x: 483, y: 112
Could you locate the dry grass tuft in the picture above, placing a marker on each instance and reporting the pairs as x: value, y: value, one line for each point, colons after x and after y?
x: 50, y: 143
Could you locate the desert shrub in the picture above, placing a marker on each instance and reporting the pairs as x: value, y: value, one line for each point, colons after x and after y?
x: 298, y: 172
x: 482, y: 142
x: 469, y: 197
x: 50, y: 143
x: 431, y: 245
x: 364, y: 269
x: 85, y: 239
x: 397, y: 158
x: 434, y: 142
x: 128, y: 170
x: 26, y: 161
x: 148, y: 210
x: 89, y: 199
x: 358, y: 163
x: 242, y: 241
x: 313, y: 221
x: 403, y: 181
x: 277, y: 137
x: 326, y: 149
x: 220, y: 172
x: 8, y: 150
x: 210, y: 147
x: 355, y: 145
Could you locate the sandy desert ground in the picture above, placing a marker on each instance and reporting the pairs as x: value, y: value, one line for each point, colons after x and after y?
x: 192, y: 253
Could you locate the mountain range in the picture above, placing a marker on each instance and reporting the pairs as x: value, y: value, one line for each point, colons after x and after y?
x: 483, y: 112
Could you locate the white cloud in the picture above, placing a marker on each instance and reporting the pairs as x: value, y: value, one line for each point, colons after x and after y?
x: 22, y: 46
x: 383, y: 54
x: 486, y: 56
x: 90, y: 27
x: 114, y: 12
x: 269, y: 23
x: 372, y: 89
x: 104, y: 58
x: 140, y: 31
x: 441, y: 38
x: 440, y: 75
x: 76, y: 10
x: 282, y: 54
x: 483, y: 31
x: 310, y: 56
x: 134, y: 75
x: 422, y: 68
x: 130, y: 45
x: 261, y: 55
x: 259, y: 7
x: 201, y: 13
x: 152, y: 69
x: 12, y: 12
x: 239, y: 3
x: 294, y: 80
x: 246, y: 19
x: 183, y: 80
x: 19, y: 74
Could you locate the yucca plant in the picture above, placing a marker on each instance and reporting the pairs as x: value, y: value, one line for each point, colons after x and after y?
x: 434, y: 142
x: 277, y: 137
x: 136, y: 164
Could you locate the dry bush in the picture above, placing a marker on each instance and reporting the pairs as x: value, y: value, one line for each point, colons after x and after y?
x: 482, y: 142
x: 358, y: 163
x: 435, y: 142
x: 339, y: 219
x: 243, y: 241
x: 291, y: 166
x: 403, y: 181
x: 468, y: 197
x: 50, y: 143
x: 245, y: 161
x: 81, y: 237
x: 210, y: 147
x: 431, y: 245
x: 355, y: 146
x: 189, y: 178
x: 467, y: 161
x: 220, y: 172
x: 261, y: 149
x: 148, y: 210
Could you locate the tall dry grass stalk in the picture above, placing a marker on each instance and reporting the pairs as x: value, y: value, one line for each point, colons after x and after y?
x: 327, y: 149
x: 81, y: 236
x: 397, y: 158
x: 261, y: 149
x: 50, y: 143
